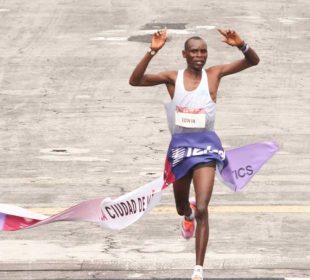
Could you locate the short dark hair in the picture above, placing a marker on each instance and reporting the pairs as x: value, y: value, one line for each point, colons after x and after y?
x: 191, y: 38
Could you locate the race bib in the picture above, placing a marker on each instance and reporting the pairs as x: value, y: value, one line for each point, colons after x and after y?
x: 190, y: 117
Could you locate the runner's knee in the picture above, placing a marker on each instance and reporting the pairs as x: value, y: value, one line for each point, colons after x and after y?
x: 201, y: 211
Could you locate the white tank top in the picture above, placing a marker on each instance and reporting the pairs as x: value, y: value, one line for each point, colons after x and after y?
x: 197, y: 101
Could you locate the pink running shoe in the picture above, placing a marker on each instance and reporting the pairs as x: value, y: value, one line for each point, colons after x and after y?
x: 188, y: 226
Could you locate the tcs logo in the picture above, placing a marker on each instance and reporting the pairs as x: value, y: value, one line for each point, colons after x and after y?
x: 243, y: 171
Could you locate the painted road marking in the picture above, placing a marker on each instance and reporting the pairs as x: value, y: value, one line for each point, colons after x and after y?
x: 294, y: 278
x: 245, y: 209
x: 71, y: 158
x: 233, y: 209
x: 208, y: 27
x: 119, y: 39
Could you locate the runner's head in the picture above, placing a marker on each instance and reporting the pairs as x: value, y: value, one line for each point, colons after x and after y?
x: 195, y: 52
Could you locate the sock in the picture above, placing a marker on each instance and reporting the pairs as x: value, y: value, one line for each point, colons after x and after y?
x: 198, y: 271
x: 191, y: 216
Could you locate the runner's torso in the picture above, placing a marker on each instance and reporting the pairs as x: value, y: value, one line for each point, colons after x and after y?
x: 191, y: 111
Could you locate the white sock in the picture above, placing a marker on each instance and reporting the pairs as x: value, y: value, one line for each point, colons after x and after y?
x: 191, y: 216
x: 198, y: 271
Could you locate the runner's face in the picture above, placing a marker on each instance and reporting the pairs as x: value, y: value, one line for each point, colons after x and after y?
x: 196, y: 54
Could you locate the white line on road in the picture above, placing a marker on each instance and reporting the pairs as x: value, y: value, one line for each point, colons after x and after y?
x: 233, y: 209
x: 306, y: 278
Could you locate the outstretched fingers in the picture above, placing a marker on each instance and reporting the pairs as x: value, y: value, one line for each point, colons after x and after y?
x: 227, y: 32
x: 230, y: 37
x: 161, y: 33
x: 158, y: 39
x: 224, y: 33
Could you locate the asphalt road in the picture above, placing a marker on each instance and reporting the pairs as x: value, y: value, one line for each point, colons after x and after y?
x: 72, y: 129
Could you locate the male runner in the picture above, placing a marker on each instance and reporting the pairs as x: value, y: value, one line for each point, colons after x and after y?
x: 193, y: 92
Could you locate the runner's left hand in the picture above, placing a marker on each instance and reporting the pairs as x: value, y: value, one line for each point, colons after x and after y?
x: 231, y: 37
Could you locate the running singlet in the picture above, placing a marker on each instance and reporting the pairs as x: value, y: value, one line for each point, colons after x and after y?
x: 191, y: 111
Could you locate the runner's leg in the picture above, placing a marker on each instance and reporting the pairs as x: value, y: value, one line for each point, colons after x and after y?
x: 203, y: 178
x: 181, y: 190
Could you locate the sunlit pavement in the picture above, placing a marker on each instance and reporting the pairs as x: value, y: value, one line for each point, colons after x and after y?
x: 72, y: 129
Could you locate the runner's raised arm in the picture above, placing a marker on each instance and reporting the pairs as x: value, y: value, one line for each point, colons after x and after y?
x: 138, y: 76
x: 232, y: 38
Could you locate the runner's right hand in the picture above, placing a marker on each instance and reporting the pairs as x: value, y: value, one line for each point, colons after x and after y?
x: 158, y: 39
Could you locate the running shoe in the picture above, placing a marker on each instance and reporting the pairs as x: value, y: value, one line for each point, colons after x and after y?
x: 188, y: 226
x: 197, y: 277
x: 198, y: 273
